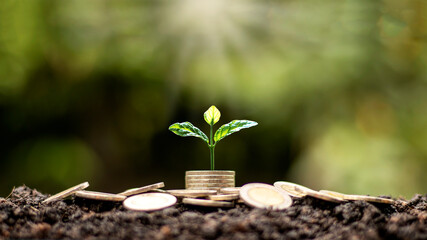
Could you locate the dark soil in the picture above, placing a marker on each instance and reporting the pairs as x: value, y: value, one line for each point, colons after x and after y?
x: 22, y: 215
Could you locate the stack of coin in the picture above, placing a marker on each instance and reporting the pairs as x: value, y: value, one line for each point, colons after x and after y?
x: 209, y: 180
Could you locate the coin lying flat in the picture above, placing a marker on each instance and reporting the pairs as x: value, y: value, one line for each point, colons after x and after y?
x: 100, y: 196
x: 191, y: 192
x: 217, y: 185
x: 67, y: 192
x: 207, y: 203
x: 368, y: 198
x: 359, y: 197
x: 261, y: 195
x: 158, y: 190
x: 230, y: 190
x: 224, y: 197
x: 289, y: 188
x: 147, y: 188
x: 334, y: 194
x: 204, y: 188
x: 318, y: 195
x: 149, y: 201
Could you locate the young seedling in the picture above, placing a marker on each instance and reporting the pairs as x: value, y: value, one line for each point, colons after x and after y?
x: 212, y: 115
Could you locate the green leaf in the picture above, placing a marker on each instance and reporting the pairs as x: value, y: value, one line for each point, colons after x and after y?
x: 232, y: 127
x: 212, y: 115
x: 186, y: 129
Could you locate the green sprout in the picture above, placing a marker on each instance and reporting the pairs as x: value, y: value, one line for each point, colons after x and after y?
x: 212, y: 115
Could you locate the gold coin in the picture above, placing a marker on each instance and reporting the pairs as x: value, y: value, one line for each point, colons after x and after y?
x: 207, y: 203
x: 215, y: 172
x: 368, y: 198
x: 191, y: 192
x: 100, y: 196
x: 147, y: 188
x: 261, y: 195
x: 149, y: 201
x: 230, y: 190
x: 224, y: 197
x: 67, y: 192
x: 289, y: 188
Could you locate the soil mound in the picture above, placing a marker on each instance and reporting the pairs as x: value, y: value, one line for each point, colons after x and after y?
x: 22, y: 215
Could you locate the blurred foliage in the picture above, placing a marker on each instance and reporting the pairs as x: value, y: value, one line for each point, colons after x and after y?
x: 89, y: 88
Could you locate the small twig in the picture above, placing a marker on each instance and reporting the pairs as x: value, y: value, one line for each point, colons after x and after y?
x: 13, y: 189
x: 35, y: 209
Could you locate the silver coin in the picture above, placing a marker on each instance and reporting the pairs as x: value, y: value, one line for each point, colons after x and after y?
x: 207, y: 203
x: 67, y: 192
x: 261, y: 195
x: 220, y: 185
x: 230, y: 190
x: 191, y: 192
x: 224, y: 197
x: 147, y: 188
x: 209, y: 177
x: 210, y: 181
x: 100, y: 196
x: 289, y: 188
x: 334, y: 194
x: 368, y: 198
x: 149, y: 201
x: 318, y: 195
x: 215, y: 172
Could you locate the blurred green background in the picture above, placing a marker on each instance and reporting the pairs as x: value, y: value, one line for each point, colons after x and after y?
x: 88, y: 90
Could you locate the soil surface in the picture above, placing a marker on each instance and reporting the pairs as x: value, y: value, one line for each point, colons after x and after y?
x: 22, y: 215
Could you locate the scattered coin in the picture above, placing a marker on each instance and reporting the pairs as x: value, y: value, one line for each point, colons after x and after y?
x: 224, y: 197
x: 149, y: 201
x: 265, y: 196
x: 204, y: 188
x: 354, y: 197
x: 191, y: 192
x: 289, y: 188
x: 230, y: 190
x: 334, y: 194
x: 100, y: 196
x: 159, y: 190
x: 318, y: 195
x: 215, y: 185
x: 67, y: 192
x: 135, y: 191
x: 368, y: 198
x: 207, y: 203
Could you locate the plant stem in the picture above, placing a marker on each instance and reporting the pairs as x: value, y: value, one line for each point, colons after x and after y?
x: 212, y: 148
